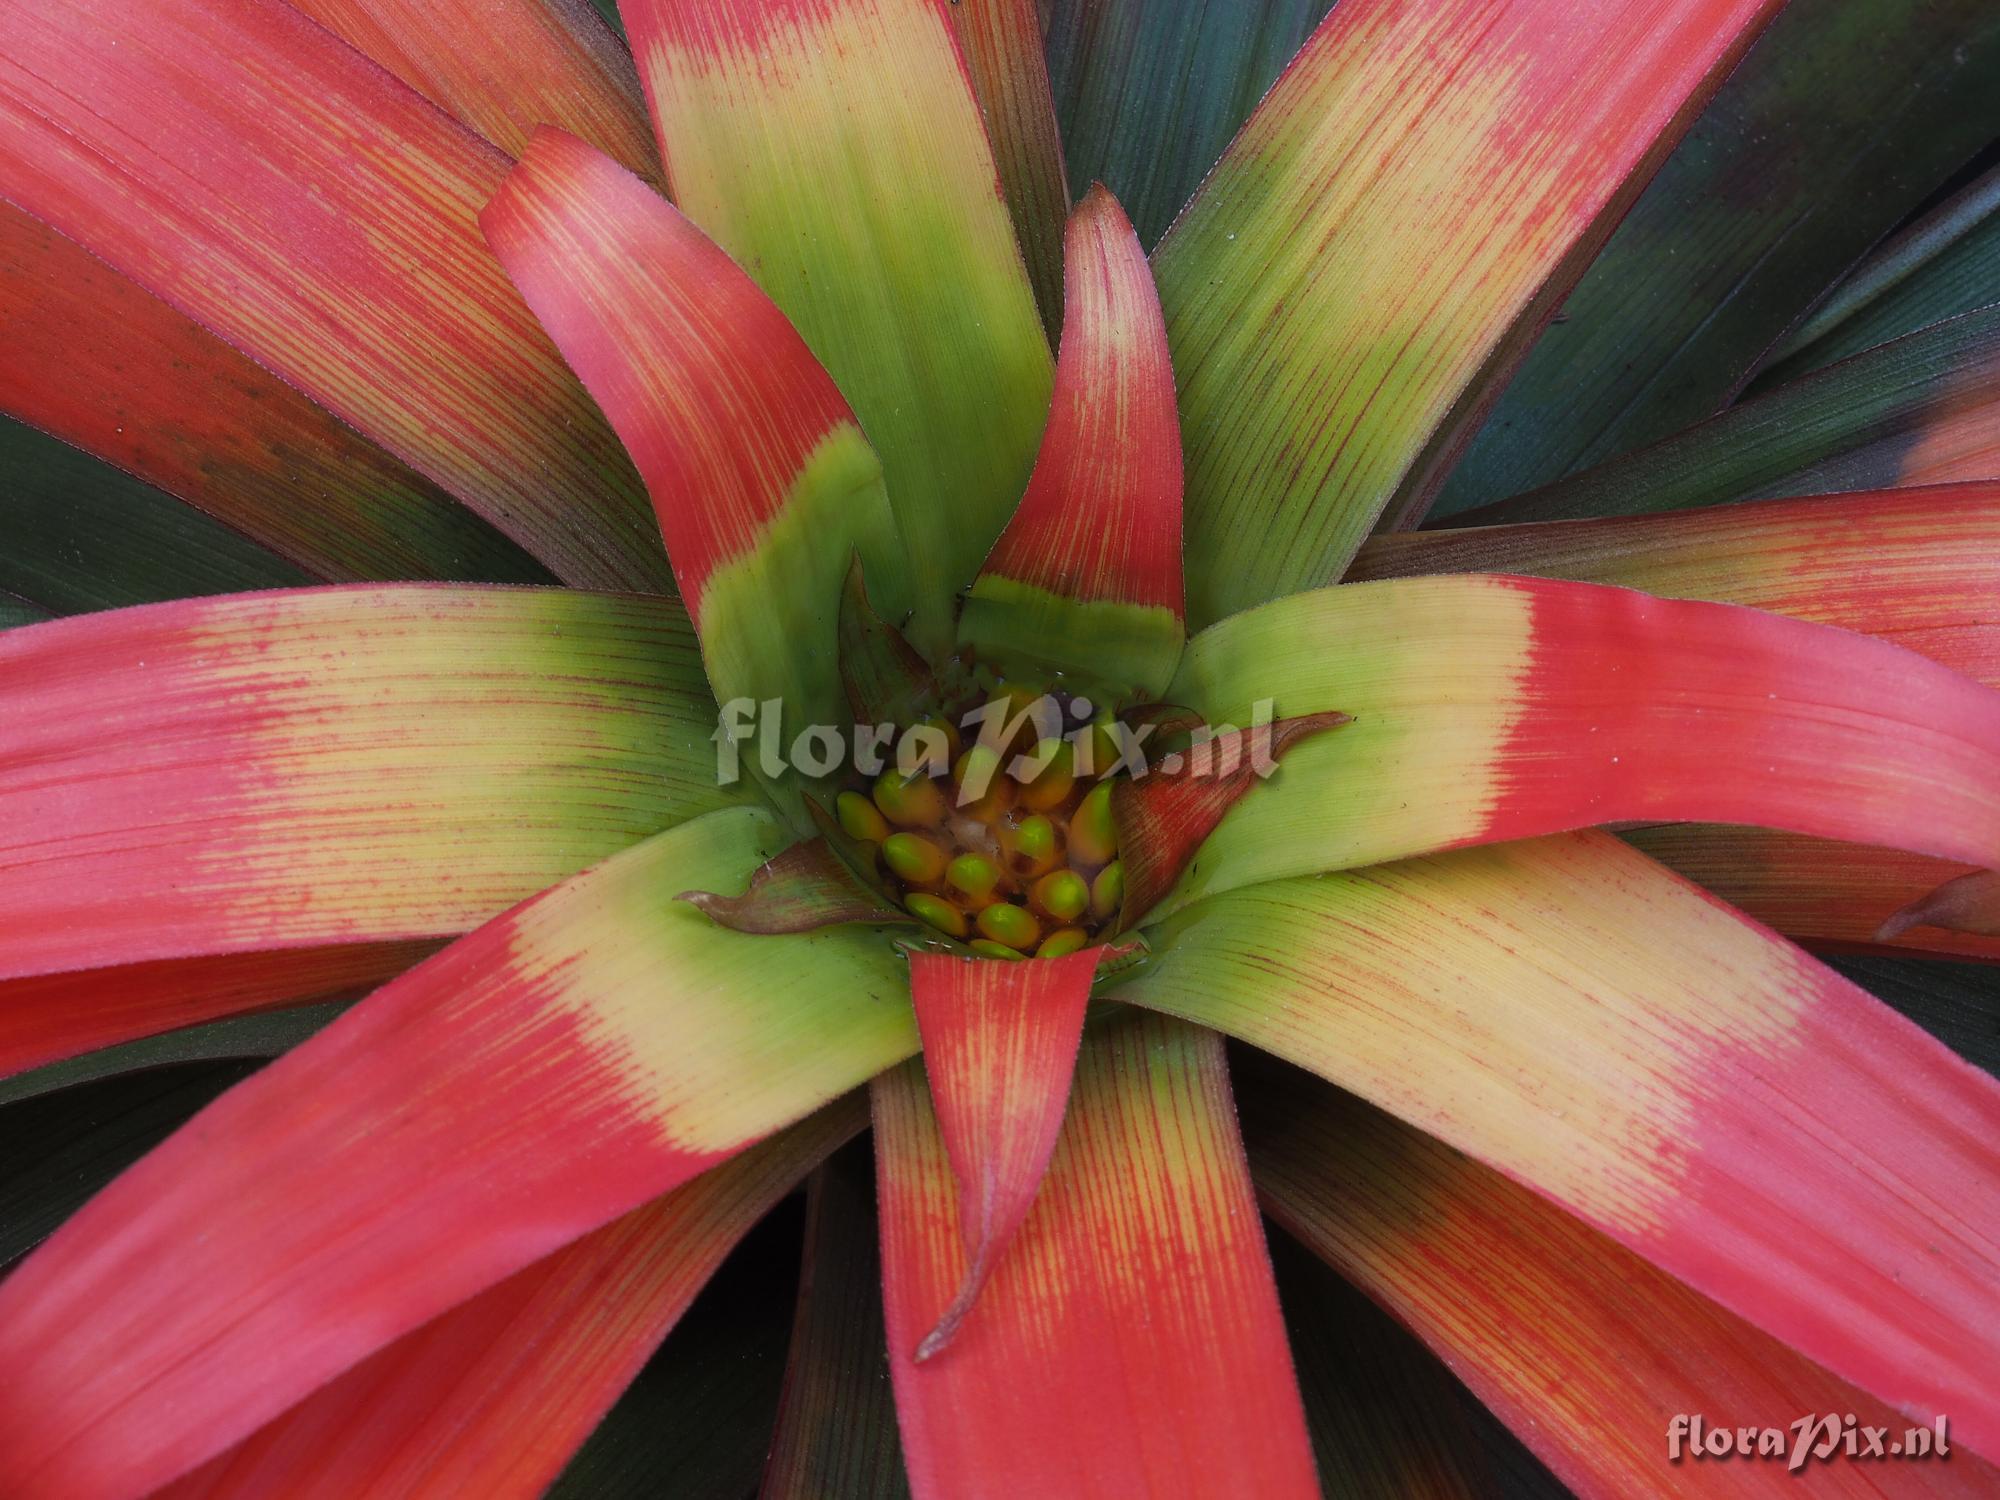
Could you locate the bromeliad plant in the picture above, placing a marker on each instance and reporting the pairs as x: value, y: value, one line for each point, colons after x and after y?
x: 1610, y: 1147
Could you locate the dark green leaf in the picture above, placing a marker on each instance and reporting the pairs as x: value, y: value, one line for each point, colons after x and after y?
x: 697, y: 1421
x: 1148, y: 92
x: 836, y: 1432
x: 15, y: 610
x: 77, y: 534
x: 259, y: 1036
x: 1861, y: 424
x: 1387, y: 1417
x: 56, y: 1151
x: 1946, y: 263
x: 1957, y: 1003
x: 1840, y: 122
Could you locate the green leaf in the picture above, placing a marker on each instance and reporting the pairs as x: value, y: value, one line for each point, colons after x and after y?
x: 1944, y: 264
x: 1838, y: 124
x: 58, y: 1150
x: 1148, y: 92
x: 1918, y: 410
x: 1387, y: 1418
x: 836, y: 1430
x: 698, y: 1419
x: 258, y: 1036
x: 1957, y: 1003
x: 77, y: 534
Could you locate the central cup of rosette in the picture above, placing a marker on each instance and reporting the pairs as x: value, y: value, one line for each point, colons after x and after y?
x: 994, y: 826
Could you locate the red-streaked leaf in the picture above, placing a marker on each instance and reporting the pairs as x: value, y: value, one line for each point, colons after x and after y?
x: 762, y: 481
x: 836, y: 1428
x: 1164, y: 817
x: 87, y: 355
x: 243, y: 164
x: 492, y: 1398
x: 1337, y: 341
x: 1087, y: 1372
x: 591, y: 1049
x: 1827, y: 895
x: 1087, y: 576
x: 1002, y: 43
x: 505, y: 66
x: 1920, y: 567
x: 1584, y: 1349
x: 1489, y: 707
x: 1920, y: 409
x: 1000, y: 1042
x: 331, y: 766
x: 802, y: 890
x: 835, y: 149
x: 53, y: 1016
x: 1570, y: 1013
x: 1970, y: 903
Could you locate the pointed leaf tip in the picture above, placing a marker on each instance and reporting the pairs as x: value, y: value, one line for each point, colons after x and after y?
x: 1971, y: 903
x: 1000, y: 1045
x: 1164, y: 815
x: 801, y: 890
x: 1086, y: 579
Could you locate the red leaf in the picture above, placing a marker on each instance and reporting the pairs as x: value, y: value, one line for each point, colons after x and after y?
x: 1131, y: 1341
x: 250, y: 169
x: 1000, y: 1044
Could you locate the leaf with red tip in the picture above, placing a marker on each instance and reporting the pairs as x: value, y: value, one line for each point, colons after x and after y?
x: 1164, y: 817
x: 764, y: 486
x: 835, y: 149
x: 593, y: 1048
x: 836, y: 1428
x: 504, y: 67
x: 1002, y: 43
x: 492, y: 1398
x: 1336, y: 341
x: 885, y: 680
x: 1920, y: 567
x: 1490, y: 707
x: 1086, y: 579
x: 1584, y: 1349
x: 1573, y: 1015
x: 359, y: 764
x: 88, y: 356
x: 1160, y: 1369
x: 1830, y: 896
x: 246, y: 166
x: 1971, y: 903
x: 1000, y: 1044
x: 802, y: 890
x: 50, y: 1016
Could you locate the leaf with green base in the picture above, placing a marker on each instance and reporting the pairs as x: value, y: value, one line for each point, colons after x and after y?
x: 836, y: 151
x: 1085, y: 582
x: 762, y: 482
